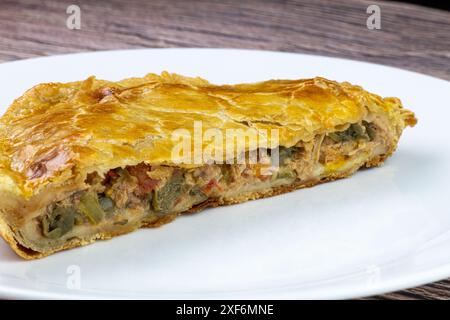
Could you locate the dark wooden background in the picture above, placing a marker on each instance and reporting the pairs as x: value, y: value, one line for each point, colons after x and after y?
x: 411, y: 37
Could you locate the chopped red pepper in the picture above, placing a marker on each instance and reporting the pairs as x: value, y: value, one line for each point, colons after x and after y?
x: 145, y: 183
x: 112, y: 174
x: 211, y: 185
x: 109, y: 176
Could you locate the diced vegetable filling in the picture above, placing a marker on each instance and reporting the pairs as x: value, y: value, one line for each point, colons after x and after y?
x: 355, y: 131
x: 156, y: 191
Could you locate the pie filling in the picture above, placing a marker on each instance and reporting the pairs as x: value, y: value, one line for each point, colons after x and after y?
x: 126, y: 198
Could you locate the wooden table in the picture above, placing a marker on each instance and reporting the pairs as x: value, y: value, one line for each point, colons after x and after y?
x: 411, y: 37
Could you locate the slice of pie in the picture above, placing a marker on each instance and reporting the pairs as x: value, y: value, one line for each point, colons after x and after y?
x: 94, y: 159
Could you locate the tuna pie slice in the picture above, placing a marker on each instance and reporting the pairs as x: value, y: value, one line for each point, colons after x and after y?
x: 94, y: 159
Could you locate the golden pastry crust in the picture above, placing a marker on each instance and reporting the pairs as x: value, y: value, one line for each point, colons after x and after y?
x: 55, y: 134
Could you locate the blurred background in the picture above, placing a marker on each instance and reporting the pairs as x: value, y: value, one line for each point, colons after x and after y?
x: 413, y: 35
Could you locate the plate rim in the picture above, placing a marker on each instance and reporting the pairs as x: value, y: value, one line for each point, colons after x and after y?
x: 252, y: 50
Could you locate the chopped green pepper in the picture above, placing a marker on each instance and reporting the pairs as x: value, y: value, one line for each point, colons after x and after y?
x: 90, y: 207
x: 164, y: 199
x: 286, y: 153
x: 354, y: 132
x: 198, y: 195
x: 60, y: 221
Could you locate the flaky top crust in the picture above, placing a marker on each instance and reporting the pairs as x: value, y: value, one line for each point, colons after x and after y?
x: 56, y: 133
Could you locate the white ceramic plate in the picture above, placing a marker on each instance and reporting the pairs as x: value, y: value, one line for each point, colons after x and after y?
x: 381, y: 230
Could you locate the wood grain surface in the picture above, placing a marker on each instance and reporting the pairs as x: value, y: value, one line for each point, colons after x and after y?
x: 411, y: 37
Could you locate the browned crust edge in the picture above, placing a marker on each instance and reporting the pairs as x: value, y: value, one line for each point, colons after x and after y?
x: 28, y: 254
